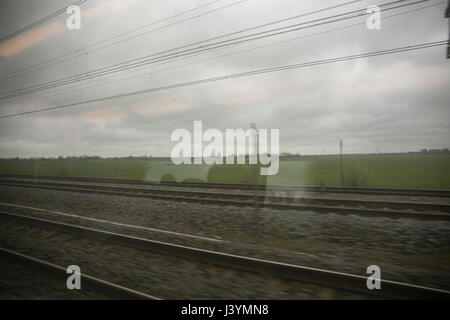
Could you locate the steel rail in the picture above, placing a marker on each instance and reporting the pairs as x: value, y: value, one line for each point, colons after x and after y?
x: 445, y: 193
x: 259, y: 197
x: 89, y: 283
x: 321, y: 277
x: 393, y: 209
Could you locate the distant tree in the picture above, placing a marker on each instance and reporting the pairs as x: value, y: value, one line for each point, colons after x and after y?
x: 355, y: 175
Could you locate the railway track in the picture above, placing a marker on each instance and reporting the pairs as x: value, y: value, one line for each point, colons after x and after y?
x: 232, y: 186
x: 324, y: 278
x: 246, y: 197
x: 90, y: 284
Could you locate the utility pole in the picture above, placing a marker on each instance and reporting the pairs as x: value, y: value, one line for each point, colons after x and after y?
x: 447, y: 16
x: 255, y: 149
x: 342, y: 162
x: 255, y: 177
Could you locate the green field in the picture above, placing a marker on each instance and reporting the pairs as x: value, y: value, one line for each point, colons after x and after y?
x: 399, y: 171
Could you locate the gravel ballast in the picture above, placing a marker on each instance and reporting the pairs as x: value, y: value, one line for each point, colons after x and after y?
x: 407, y: 250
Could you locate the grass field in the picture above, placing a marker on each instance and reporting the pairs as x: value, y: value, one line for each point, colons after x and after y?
x: 404, y: 171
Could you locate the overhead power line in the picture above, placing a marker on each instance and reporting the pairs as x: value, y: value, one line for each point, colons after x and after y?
x: 40, y: 21
x: 238, y: 40
x: 56, y: 60
x: 243, y: 74
x: 136, y: 63
x: 95, y: 85
x: 67, y: 56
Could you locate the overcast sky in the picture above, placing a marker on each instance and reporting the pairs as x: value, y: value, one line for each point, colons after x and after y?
x: 396, y: 102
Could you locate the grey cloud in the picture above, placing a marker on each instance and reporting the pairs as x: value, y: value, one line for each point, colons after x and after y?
x: 397, y: 102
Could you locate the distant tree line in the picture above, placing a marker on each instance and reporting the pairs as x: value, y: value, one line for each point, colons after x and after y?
x: 285, y: 155
x: 80, y: 158
x: 423, y: 151
x: 435, y: 151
